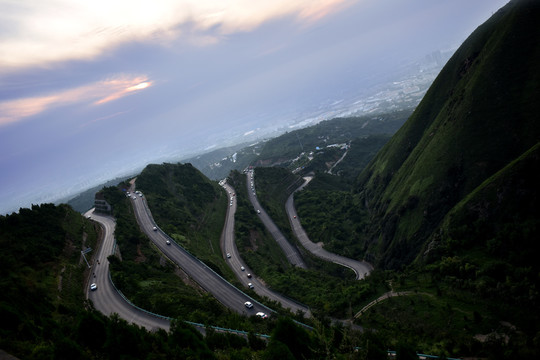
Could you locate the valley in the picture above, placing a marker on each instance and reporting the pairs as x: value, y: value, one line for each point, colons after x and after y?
x: 391, y: 234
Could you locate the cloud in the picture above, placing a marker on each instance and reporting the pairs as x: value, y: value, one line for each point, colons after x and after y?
x: 42, y: 32
x: 95, y: 93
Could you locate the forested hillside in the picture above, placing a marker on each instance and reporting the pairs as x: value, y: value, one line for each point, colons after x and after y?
x: 43, y: 312
x: 480, y: 114
x: 187, y: 206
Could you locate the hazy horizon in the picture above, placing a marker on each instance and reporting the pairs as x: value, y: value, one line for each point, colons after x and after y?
x: 93, y: 91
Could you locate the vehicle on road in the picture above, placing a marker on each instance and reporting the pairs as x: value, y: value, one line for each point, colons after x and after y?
x: 168, y: 242
x: 93, y: 287
x: 248, y: 304
x: 228, y: 255
x: 249, y: 275
x: 242, y: 268
x: 250, y: 285
x: 261, y: 315
x: 258, y: 211
x: 154, y: 228
x: 294, y: 216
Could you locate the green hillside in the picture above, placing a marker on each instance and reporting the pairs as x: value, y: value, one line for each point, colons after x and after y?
x: 282, y: 149
x: 187, y: 206
x: 312, y: 148
x: 479, y: 115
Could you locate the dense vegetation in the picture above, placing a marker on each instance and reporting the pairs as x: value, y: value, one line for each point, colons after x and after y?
x: 333, y: 217
x: 479, y: 115
x: 448, y: 206
x: 328, y: 289
x: 282, y: 149
x: 42, y: 276
x: 308, y: 146
x: 451, y: 202
x: 43, y: 310
x: 188, y: 207
x: 153, y: 283
x: 273, y: 186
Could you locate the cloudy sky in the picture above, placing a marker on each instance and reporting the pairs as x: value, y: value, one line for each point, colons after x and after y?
x: 94, y: 89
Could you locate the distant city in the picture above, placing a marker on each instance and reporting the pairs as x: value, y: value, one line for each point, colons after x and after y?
x: 403, y: 88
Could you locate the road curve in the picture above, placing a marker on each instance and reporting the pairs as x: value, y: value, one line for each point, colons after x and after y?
x: 235, y: 262
x: 106, y: 299
x: 291, y: 252
x: 222, y: 290
x: 361, y: 268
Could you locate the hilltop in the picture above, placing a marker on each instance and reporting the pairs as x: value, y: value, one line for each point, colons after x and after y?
x: 479, y: 116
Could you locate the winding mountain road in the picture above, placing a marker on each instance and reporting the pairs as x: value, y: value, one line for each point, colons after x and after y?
x: 236, y: 263
x: 361, y: 268
x: 222, y: 290
x: 291, y: 252
x: 106, y: 299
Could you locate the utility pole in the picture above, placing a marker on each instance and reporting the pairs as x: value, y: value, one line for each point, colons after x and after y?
x: 86, y: 251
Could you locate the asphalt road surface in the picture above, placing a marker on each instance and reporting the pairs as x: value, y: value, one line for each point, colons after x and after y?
x: 361, y: 268
x: 106, y: 299
x: 236, y: 263
x: 223, y: 291
x: 291, y: 252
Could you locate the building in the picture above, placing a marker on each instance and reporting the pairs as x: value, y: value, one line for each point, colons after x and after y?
x: 101, y: 205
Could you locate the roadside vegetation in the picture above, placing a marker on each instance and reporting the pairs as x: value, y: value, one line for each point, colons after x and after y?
x: 188, y: 207
x: 331, y: 215
x: 328, y: 289
x: 43, y: 311
x: 152, y: 282
x: 44, y: 314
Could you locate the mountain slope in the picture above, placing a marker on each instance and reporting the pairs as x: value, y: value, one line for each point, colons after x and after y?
x: 478, y: 116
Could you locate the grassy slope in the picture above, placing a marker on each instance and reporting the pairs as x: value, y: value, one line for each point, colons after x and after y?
x: 188, y: 207
x: 479, y: 115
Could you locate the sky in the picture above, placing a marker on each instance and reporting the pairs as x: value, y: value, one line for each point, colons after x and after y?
x: 92, y: 90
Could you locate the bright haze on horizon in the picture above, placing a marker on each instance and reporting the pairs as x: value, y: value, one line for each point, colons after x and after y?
x: 91, y: 90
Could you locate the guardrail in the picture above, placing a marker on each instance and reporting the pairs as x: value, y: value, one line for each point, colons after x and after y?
x: 199, y: 325
x: 197, y: 259
x: 212, y: 270
x: 393, y: 354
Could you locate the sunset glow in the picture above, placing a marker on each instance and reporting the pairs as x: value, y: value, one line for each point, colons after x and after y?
x: 43, y: 28
x: 103, y: 91
x: 76, y: 77
x: 140, y: 86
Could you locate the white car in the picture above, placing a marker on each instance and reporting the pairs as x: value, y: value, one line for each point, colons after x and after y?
x: 93, y: 287
x: 249, y: 275
x: 168, y: 242
x: 154, y: 228
x: 248, y: 304
x: 258, y: 211
x: 242, y: 268
x: 228, y: 255
x: 261, y: 315
x: 250, y: 285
